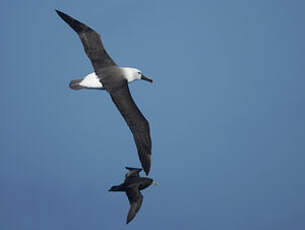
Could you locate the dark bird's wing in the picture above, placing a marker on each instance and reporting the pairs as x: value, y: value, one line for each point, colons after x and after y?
x: 137, y: 123
x: 135, y: 200
x: 91, y: 41
x: 133, y: 169
x: 132, y: 172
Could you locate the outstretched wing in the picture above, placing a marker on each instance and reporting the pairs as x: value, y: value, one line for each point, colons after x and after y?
x: 135, y: 200
x: 132, y: 172
x: 91, y: 41
x: 137, y: 123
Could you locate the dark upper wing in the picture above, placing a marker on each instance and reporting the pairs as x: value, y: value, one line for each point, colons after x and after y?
x: 135, y: 200
x: 137, y: 123
x: 91, y: 41
x: 133, y: 169
x: 132, y: 172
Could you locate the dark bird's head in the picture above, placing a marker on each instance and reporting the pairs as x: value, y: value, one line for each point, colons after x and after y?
x: 146, y: 182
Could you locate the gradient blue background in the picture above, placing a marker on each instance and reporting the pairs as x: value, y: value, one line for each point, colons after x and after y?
x: 226, y: 113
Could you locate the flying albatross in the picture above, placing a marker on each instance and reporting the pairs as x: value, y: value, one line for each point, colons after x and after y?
x: 132, y: 185
x: 114, y: 80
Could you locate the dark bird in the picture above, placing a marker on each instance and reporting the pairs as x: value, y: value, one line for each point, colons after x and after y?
x: 132, y: 186
x: 114, y: 80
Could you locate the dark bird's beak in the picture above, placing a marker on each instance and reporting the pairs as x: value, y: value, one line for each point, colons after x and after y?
x: 146, y: 78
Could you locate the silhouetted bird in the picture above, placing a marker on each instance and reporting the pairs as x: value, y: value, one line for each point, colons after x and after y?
x: 114, y: 80
x: 132, y: 185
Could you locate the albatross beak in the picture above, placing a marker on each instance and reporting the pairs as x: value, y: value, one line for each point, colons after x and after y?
x: 154, y: 183
x: 146, y: 78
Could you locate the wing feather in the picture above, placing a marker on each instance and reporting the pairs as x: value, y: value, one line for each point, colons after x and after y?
x: 91, y: 41
x: 132, y: 172
x: 137, y: 123
x: 135, y: 200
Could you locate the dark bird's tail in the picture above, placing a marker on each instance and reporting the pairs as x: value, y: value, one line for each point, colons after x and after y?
x: 117, y: 188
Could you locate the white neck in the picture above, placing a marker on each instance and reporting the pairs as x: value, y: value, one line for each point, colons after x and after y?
x: 130, y: 74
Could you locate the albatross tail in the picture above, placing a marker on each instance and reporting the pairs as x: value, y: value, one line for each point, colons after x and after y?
x: 91, y: 81
x: 74, y: 84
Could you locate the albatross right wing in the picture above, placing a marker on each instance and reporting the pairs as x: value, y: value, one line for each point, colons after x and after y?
x: 91, y: 41
x: 137, y: 123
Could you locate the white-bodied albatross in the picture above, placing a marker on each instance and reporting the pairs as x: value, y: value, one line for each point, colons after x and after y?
x: 114, y: 80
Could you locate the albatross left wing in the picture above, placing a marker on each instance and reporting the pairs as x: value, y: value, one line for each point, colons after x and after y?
x: 137, y: 123
x: 91, y: 41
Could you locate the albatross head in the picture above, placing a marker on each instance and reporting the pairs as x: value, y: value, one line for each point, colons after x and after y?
x: 132, y: 74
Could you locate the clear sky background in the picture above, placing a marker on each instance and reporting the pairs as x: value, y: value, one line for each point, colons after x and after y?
x: 226, y: 110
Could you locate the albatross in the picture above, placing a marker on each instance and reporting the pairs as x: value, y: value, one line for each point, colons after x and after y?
x: 132, y: 185
x: 109, y: 76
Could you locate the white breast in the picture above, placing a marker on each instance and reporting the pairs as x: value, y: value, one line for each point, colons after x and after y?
x: 91, y: 81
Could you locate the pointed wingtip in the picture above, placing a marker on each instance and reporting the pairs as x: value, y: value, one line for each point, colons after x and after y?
x: 146, y: 163
x: 146, y: 171
x: 131, y: 168
x: 128, y: 220
x: 76, y: 25
x: 59, y: 12
x: 63, y: 15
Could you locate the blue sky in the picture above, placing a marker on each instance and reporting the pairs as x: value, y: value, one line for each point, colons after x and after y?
x: 226, y: 111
